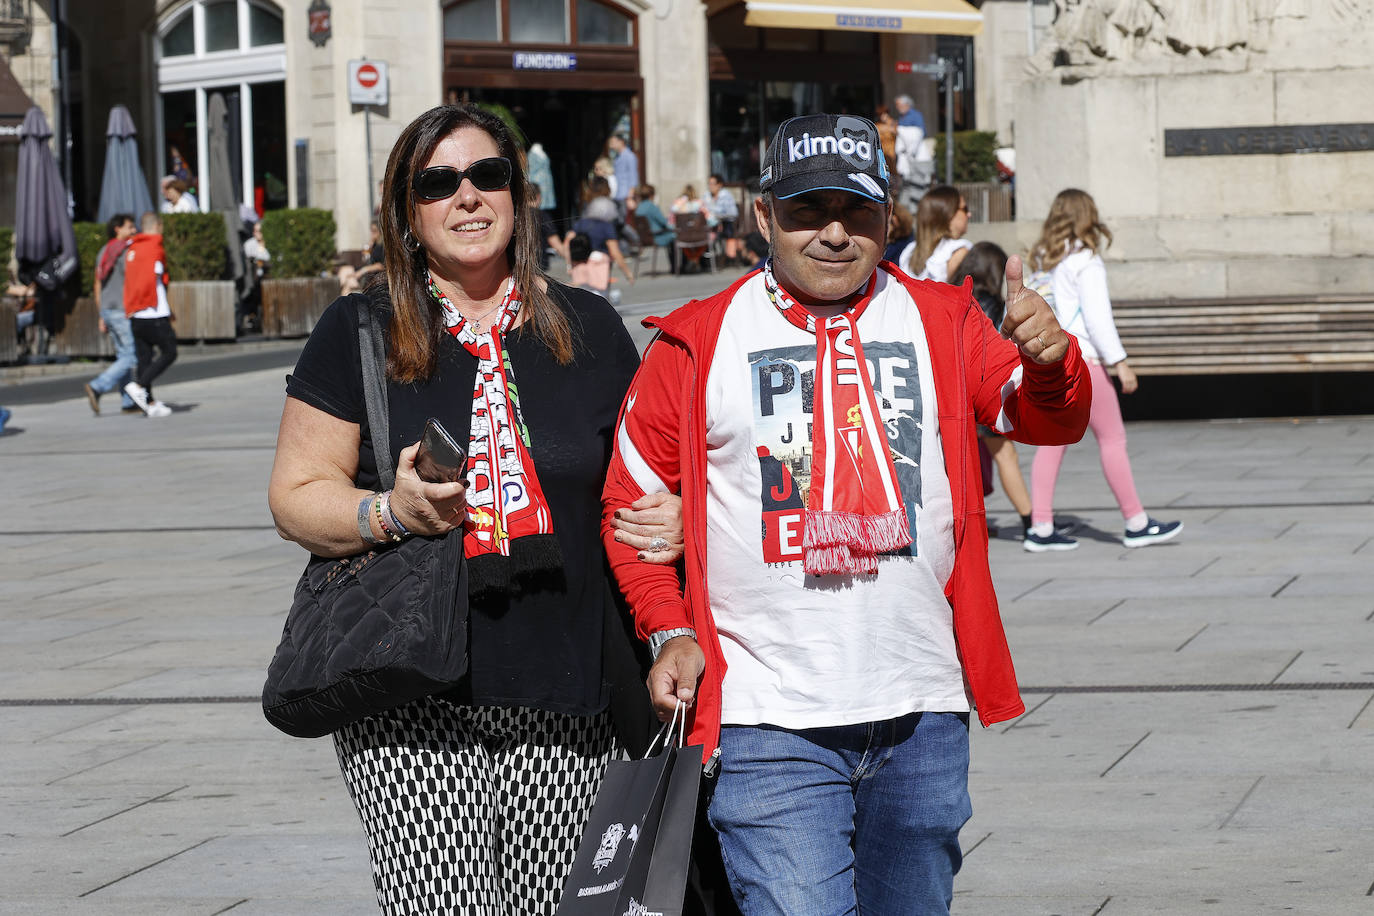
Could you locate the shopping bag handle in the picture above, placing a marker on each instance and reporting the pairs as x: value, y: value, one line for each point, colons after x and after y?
x: 679, y: 720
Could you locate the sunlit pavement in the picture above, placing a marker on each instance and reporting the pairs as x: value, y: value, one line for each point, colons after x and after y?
x: 1198, y: 736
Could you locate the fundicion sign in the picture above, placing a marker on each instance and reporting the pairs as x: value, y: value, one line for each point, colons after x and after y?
x: 367, y: 82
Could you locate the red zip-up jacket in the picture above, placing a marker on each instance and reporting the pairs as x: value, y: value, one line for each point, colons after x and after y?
x: 660, y: 445
x: 140, y: 272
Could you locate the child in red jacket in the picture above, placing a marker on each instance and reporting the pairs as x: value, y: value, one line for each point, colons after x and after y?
x: 145, y: 302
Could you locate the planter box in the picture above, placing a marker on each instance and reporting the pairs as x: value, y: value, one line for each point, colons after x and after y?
x: 291, y: 307
x: 9, y: 340
x: 78, y: 332
x: 203, y: 309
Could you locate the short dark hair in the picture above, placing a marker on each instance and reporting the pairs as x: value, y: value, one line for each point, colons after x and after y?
x: 716, y: 176
x: 118, y: 220
x: 647, y: 191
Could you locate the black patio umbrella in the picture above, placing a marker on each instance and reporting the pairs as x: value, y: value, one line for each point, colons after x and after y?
x: 224, y: 184
x: 44, y: 242
x: 124, y: 189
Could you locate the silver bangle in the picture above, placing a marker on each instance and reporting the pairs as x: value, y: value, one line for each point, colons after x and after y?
x: 659, y: 639
x: 365, y: 520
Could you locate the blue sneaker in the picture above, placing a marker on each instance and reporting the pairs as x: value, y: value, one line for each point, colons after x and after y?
x: 1153, y: 533
x: 1052, y: 541
x: 4, y: 418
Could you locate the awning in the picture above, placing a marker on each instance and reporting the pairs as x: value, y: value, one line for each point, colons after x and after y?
x: 924, y: 17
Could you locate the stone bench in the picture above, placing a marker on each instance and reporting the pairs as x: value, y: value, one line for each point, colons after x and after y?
x: 1244, y: 336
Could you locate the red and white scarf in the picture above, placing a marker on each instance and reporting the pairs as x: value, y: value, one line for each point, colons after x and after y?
x: 854, y: 508
x: 505, y: 502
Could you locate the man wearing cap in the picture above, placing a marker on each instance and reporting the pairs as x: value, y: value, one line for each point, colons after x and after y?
x: 836, y: 623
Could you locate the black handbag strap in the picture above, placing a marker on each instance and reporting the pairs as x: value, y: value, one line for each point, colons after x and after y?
x: 372, y: 349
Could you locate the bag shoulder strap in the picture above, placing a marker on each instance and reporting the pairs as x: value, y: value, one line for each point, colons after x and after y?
x: 372, y: 349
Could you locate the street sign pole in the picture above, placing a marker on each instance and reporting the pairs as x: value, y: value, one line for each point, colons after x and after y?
x: 371, y: 189
x: 368, y: 86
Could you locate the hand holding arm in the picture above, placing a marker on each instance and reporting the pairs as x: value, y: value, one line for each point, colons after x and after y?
x: 651, y: 516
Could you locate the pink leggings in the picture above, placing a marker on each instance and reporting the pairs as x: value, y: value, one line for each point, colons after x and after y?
x: 1110, y: 432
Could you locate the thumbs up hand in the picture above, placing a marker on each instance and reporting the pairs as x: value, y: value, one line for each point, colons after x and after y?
x: 1029, y: 322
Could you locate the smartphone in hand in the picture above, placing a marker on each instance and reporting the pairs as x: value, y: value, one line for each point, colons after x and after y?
x: 440, y: 459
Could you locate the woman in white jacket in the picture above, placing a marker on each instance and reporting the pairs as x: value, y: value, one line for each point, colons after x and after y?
x: 1069, y: 273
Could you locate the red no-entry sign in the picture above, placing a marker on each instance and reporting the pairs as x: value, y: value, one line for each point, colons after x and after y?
x: 367, y: 82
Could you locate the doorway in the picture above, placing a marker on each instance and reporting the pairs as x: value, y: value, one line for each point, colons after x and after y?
x: 572, y: 125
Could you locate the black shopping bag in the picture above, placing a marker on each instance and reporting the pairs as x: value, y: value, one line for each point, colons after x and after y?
x: 636, y: 848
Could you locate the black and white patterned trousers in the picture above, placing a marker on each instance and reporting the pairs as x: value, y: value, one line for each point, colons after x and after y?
x: 473, y: 810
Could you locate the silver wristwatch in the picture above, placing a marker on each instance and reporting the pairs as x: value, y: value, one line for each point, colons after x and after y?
x: 657, y: 640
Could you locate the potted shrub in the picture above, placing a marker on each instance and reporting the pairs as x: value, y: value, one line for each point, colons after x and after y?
x: 975, y: 174
x: 298, y: 286
x: 202, y: 300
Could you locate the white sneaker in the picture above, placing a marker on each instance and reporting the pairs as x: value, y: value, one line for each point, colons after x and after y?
x: 159, y: 409
x: 138, y: 394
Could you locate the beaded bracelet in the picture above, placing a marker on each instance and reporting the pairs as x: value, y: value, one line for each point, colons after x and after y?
x: 364, y: 526
x: 391, y: 518
x: 381, y: 520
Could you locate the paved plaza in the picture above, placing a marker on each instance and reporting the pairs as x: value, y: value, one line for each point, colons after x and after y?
x: 1200, y: 726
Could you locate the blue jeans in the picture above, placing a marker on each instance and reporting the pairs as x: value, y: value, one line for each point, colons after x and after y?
x: 855, y: 819
x: 121, y: 371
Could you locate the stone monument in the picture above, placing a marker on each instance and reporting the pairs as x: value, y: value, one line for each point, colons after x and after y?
x: 1229, y: 143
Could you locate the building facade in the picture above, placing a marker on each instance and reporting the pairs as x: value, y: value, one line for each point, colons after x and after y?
x: 697, y: 86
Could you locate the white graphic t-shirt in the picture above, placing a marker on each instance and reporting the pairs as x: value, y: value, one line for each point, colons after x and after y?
x: 806, y: 651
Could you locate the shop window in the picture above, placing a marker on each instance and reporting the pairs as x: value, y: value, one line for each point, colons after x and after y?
x: 181, y: 38
x: 234, y: 49
x: 598, y: 24
x: 222, y: 26
x: 264, y: 27
x: 473, y: 20
x: 539, y: 21
x: 841, y: 42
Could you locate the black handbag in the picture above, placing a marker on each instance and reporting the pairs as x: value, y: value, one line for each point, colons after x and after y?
x: 374, y: 631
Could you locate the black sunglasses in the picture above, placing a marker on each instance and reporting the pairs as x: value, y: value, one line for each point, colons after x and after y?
x: 442, y: 181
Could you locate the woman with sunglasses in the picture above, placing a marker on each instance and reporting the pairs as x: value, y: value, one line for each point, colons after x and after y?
x: 939, y: 246
x: 473, y: 801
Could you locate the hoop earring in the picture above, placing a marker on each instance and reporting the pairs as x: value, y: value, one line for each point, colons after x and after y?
x: 409, y: 242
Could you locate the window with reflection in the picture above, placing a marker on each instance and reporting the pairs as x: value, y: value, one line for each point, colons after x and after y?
x: 599, y: 24
x: 222, y: 26
x: 264, y: 26
x: 473, y: 20
x: 539, y: 21
x: 181, y: 38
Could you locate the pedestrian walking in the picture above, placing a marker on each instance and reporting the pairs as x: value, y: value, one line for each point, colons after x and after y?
x: 150, y: 315
x: 818, y: 419
x: 915, y: 164
x: 1067, y: 259
x: 598, y: 224
x: 626, y: 165
x: 939, y: 246
x: 474, y: 801
x: 109, y: 298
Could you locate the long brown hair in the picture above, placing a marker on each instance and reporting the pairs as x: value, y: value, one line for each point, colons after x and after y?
x: 933, y: 215
x: 416, y: 325
x: 1073, y: 217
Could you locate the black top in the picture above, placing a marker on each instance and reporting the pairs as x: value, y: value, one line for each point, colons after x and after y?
x: 542, y: 646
